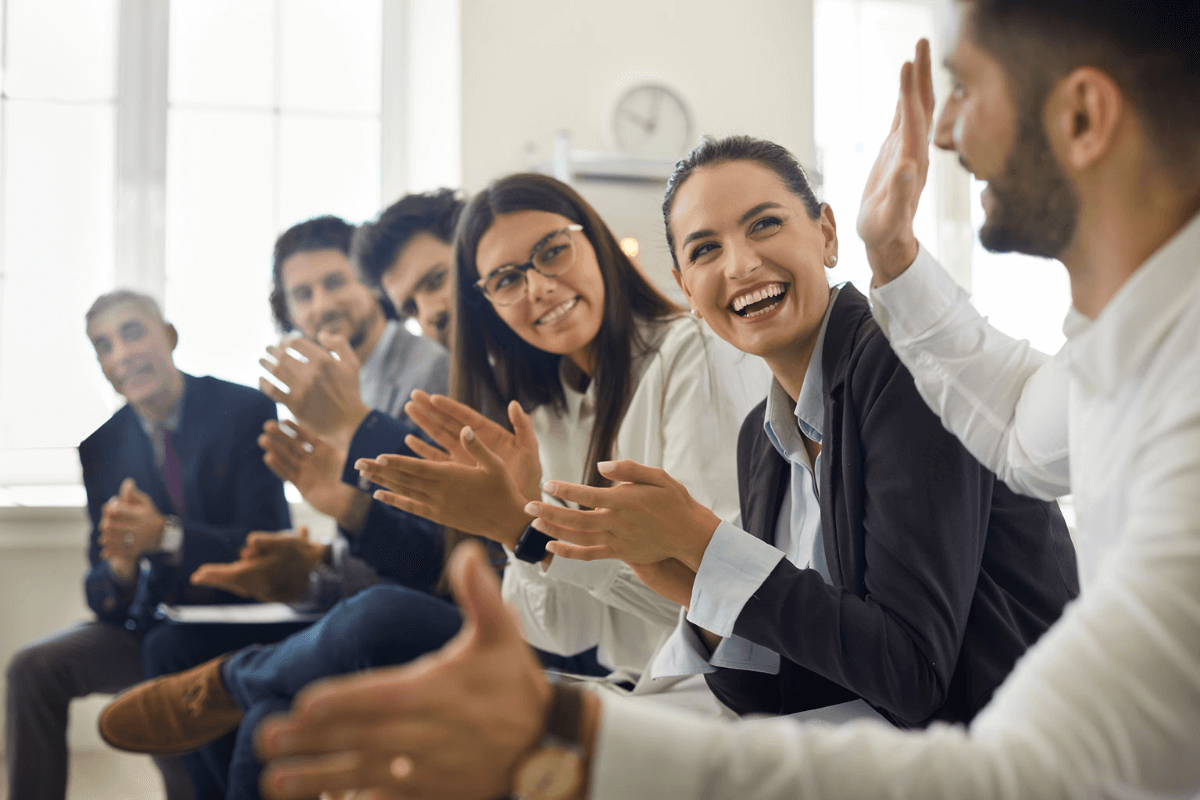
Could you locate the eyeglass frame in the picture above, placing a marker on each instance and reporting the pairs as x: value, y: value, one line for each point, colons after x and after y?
x: 524, y: 268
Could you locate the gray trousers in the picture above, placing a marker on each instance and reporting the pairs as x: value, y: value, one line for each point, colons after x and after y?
x: 43, y: 678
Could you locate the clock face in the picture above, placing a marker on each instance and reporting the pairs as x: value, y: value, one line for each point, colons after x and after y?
x: 651, y: 121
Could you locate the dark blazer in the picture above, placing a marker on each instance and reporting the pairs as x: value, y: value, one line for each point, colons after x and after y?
x: 398, y: 545
x: 941, y: 575
x: 227, y: 492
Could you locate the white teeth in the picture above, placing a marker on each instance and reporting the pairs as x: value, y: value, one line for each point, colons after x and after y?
x: 558, y: 312
x: 773, y: 290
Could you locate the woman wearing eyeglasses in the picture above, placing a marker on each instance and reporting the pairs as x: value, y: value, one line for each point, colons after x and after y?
x: 553, y: 317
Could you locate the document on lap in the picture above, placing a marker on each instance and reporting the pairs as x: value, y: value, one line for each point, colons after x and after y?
x: 240, y: 613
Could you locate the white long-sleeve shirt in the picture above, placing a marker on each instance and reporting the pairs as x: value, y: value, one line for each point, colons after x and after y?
x: 692, y: 393
x: 1107, y: 703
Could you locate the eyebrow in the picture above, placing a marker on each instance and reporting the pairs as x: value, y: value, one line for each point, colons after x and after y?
x: 742, y: 220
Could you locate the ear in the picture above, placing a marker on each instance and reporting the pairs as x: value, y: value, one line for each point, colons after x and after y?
x: 172, y: 335
x: 1083, y: 116
x: 828, y: 227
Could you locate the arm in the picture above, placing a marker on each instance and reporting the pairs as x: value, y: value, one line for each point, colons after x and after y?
x: 693, y: 385
x: 1006, y: 401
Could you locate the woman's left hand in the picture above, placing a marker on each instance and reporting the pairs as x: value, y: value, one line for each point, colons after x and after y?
x: 479, y: 497
x: 647, y: 517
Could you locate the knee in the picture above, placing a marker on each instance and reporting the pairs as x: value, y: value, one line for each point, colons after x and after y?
x: 29, y: 669
x: 164, y: 650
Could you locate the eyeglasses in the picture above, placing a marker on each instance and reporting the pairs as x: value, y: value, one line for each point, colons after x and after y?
x: 551, y: 257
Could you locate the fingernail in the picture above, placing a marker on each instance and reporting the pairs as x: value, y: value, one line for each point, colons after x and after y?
x: 606, y: 466
x: 533, y: 509
x: 550, y: 487
x: 361, y: 464
x: 469, y: 434
x: 538, y: 525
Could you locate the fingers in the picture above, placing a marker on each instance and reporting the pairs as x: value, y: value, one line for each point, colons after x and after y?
x: 627, y: 471
x: 303, y: 433
x: 439, y: 427
x: 924, y: 76
x: 302, y: 533
x: 590, y: 496
x: 306, y: 778
x: 522, y: 426
x: 424, y: 449
x: 339, y: 345
x: 577, y: 553
x: 568, y: 518
x: 128, y: 487
x: 272, y: 391
x: 459, y: 412
x: 229, y: 577
x: 403, y: 473
x: 406, y: 504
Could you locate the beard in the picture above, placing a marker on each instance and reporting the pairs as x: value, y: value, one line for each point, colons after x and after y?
x: 1034, y: 209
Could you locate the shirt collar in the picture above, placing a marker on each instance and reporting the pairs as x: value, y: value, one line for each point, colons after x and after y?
x: 170, y: 422
x: 1104, y: 352
x: 782, y: 421
x: 374, y: 363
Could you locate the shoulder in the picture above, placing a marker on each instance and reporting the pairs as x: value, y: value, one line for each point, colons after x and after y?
x: 228, y: 397
x: 752, y: 427
x: 113, y: 427
x: 409, y: 353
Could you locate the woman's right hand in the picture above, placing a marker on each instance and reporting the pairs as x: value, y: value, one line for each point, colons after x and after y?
x: 443, y: 419
x: 472, y: 491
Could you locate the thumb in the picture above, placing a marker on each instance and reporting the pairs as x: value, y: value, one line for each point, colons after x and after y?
x: 479, y: 451
x: 522, y: 426
x: 477, y: 590
x: 302, y: 533
x: 340, y: 346
x: 128, y: 490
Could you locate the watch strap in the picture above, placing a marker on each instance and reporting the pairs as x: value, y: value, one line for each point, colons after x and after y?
x: 531, y: 545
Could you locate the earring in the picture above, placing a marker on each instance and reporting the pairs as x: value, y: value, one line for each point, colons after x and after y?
x: 833, y: 261
x: 695, y: 313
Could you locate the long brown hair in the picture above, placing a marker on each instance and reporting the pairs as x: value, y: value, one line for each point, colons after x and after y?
x: 492, y: 365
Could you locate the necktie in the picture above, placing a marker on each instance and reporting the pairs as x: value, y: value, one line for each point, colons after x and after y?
x: 170, y: 473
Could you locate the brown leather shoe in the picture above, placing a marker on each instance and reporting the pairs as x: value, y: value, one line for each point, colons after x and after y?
x: 173, y: 714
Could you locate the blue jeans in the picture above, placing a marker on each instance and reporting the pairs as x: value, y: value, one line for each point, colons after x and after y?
x: 173, y: 647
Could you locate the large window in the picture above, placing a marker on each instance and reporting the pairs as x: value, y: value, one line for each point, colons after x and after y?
x: 163, y: 146
x: 859, y: 46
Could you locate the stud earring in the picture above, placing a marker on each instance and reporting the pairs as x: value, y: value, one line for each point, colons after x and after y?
x: 833, y: 261
x: 695, y: 313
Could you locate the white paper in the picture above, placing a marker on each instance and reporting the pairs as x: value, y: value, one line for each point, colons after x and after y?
x: 242, y: 613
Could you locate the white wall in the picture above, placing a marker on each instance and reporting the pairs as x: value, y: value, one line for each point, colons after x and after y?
x: 531, y: 68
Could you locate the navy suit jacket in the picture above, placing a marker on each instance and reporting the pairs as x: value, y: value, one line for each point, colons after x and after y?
x: 941, y: 576
x: 227, y: 492
x: 398, y: 545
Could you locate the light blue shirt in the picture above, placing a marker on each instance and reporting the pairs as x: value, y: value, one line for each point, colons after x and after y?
x: 736, y: 562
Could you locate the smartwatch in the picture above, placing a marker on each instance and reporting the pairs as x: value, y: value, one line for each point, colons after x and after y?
x: 555, y: 769
x: 531, y: 545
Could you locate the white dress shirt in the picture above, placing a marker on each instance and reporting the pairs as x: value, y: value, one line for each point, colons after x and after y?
x: 1107, y: 703
x: 736, y: 562
x: 692, y: 393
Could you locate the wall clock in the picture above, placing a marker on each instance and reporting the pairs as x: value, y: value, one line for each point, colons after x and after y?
x: 651, y: 120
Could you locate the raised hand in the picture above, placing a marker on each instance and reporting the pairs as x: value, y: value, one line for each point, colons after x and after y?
x: 451, y: 725
x: 647, y: 517
x: 322, y: 390
x: 894, y: 186
x: 130, y: 525
x: 476, y: 494
x: 273, y: 567
x: 294, y: 452
x: 443, y: 420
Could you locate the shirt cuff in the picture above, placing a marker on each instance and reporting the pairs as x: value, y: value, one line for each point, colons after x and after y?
x: 681, y: 654
x: 594, y: 576
x: 735, y: 564
x: 734, y: 652
x: 917, y: 301
x: 172, y: 541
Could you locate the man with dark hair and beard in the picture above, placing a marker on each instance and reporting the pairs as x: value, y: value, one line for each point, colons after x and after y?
x: 1083, y: 116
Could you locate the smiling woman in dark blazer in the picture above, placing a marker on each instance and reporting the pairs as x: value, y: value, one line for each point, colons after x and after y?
x: 879, y: 559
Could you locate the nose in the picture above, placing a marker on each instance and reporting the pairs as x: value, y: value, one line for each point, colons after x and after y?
x: 943, y: 131
x: 538, y: 285
x: 741, y: 260
x: 430, y: 308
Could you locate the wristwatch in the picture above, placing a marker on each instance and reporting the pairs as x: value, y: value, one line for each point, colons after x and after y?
x: 554, y: 770
x: 531, y: 545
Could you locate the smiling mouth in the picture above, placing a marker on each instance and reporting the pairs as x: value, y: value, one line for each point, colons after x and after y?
x: 558, y: 312
x: 760, y: 301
